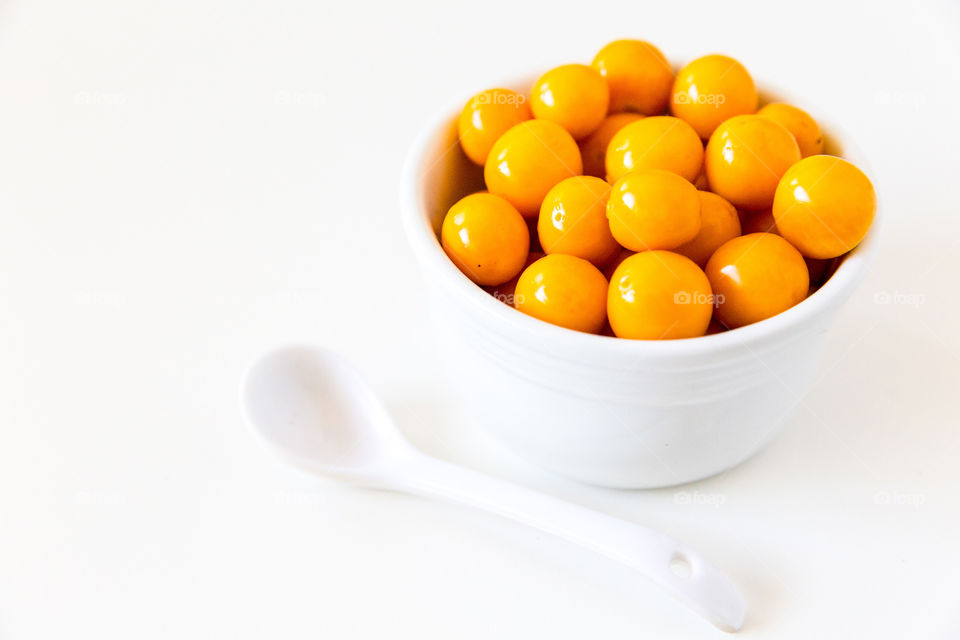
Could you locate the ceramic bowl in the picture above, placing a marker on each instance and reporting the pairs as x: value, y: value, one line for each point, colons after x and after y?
x: 602, y: 410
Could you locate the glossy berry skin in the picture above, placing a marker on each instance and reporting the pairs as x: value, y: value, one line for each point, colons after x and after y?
x: 639, y: 76
x: 574, y: 96
x: 486, y: 117
x: 573, y: 220
x: 486, y: 237
x: 653, y: 209
x: 710, y: 90
x: 659, y: 295
x: 719, y: 222
x: 563, y: 290
x: 824, y: 206
x: 745, y: 159
x: 799, y: 123
x: 593, y: 148
x: 754, y: 277
x: 528, y: 160
x: 658, y: 142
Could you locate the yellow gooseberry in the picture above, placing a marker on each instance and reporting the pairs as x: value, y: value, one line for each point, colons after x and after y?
x: 756, y: 276
x: 639, y: 76
x: 593, y: 148
x: 719, y: 222
x: 659, y: 295
x: 528, y: 160
x: 653, y: 209
x: 710, y: 90
x: 573, y: 220
x: 745, y: 159
x: 799, y: 123
x: 563, y: 290
x: 486, y: 117
x: 824, y: 206
x: 658, y: 142
x: 575, y: 96
x: 486, y: 237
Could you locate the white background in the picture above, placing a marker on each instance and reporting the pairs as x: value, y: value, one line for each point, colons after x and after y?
x: 186, y: 183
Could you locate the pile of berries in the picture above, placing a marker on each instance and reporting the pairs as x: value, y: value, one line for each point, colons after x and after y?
x: 625, y: 199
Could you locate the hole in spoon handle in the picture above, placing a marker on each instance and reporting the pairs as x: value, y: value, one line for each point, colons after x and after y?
x: 680, y: 566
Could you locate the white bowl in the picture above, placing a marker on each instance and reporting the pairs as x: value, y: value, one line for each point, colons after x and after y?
x: 601, y: 410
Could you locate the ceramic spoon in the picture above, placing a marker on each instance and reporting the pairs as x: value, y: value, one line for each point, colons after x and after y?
x: 313, y: 408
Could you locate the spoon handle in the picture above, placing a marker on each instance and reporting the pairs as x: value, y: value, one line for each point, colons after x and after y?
x: 675, y: 567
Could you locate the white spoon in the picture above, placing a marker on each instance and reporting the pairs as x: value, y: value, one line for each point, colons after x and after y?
x: 313, y: 408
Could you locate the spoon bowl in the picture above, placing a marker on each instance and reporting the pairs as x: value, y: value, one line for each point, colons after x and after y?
x: 308, y: 404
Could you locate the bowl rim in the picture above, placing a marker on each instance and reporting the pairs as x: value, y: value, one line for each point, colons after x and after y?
x: 557, y: 340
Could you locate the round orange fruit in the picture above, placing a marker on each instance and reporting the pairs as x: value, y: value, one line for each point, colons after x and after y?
x: 528, y: 160
x: 745, y: 159
x: 754, y: 277
x: 486, y: 117
x: 653, y: 209
x: 824, y: 206
x: 639, y: 76
x: 563, y: 290
x: 486, y: 237
x: 659, y: 295
x: 710, y: 90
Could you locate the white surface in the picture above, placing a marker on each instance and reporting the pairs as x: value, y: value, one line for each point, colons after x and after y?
x: 183, y: 184
x: 310, y: 406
